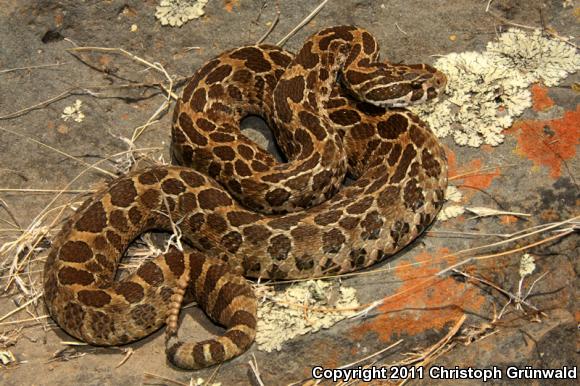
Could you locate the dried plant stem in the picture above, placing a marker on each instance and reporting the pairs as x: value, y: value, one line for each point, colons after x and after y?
x: 172, y: 381
x: 509, y: 252
x: 6, y: 248
x: 510, y: 238
x: 42, y: 191
x: 31, y: 67
x: 35, y: 319
x: 154, y: 65
x: 516, y: 299
x: 529, y: 27
x: 302, y: 23
x: 14, y: 311
x: 40, y: 105
x: 59, y: 152
x: 272, y: 26
x: 434, y: 351
x: 255, y: 370
x: 478, y: 172
x: 213, y: 375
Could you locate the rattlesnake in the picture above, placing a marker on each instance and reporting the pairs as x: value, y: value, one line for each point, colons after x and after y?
x: 244, y: 212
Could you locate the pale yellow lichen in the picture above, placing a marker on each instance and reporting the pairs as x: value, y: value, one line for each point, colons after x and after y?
x: 302, y: 308
x: 487, y: 90
x: 178, y: 12
x: 527, y: 265
x: 73, y: 112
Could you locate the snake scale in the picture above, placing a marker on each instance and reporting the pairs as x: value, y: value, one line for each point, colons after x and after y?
x: 336, y: 111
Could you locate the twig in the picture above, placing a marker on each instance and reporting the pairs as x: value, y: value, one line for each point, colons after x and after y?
x: 400, y: 29
x: 40, y: 105
x: 59, y: 152
x: 84, y: 90
x: 274, y: 23
x: 509, y: 252
x: 31, y: 67
x: 35, y: 319
x: 302, y: 23
x: 38, y: 220
x: 41, y: 191
x: 534, y: 283
x: 15, y: 223
x: 213, y: 375
x: 21, y: 307
x: 128, y: 353
x: 155, y: 65
x: 488, y: 5
x: 431, y: 352
x: 509, y: 295
x: 478, y: 171
x: 524, y: 233
x: 552, y: 34
x: 155, y: 376
x: 255, y: 370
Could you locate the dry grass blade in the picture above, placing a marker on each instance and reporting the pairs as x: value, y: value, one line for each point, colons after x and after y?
x: 135, y: 58
x: 529, y: 27
x: 43, y: 191
x: 40, y: 105
x: 35, y: 232
x: 27, y: 320
x: 509, y: 252
x: 23, y: 306
x: 151, y: 377
x: 508, y: 238
x: 272, y: 26
x: 255, y: 371
x: 509, y: 295
x: 128, y: 353
x: 302, y: 23
x: 31, y: 67
x: 426, y: 357
x: 82, y: 162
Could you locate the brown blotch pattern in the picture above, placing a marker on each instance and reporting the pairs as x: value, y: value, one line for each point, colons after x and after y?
x: 231, y: 241
x: 279, y: 247
x: 94, y: 298
x: 69, y: 275
x: 254, y: 59
x: 394, y: 126
x: 144, y: 315
x: 213, y: 198
x: 119, y: 221
x: 332, y: 241
x: 132, y: 292
x: 151, y: 273
x: 123, y: 193
x: 152, y: 176
x: 76, y: 252
x: 93, y: 220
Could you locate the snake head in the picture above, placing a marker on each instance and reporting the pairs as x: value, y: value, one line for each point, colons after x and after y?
x: 388, y: 85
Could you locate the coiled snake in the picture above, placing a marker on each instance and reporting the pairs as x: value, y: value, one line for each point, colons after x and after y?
x: 247, y: 214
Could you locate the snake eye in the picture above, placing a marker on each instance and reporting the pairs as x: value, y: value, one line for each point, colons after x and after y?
x: 416, y: 85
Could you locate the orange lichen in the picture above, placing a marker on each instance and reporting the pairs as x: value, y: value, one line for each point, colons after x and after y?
x: 548, y: 142
x: 230, y: 4
x: 469, y: 172
x: 540, y: 99
x: 507, y: 220
x: 424, y: 301
x: 105, y: 60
